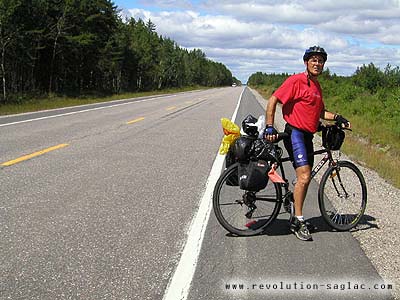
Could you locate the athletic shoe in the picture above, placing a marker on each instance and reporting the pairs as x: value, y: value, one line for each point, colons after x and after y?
x: 300, y: 229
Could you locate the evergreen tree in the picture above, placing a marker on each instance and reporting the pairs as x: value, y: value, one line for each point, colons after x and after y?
x: 81, y: 46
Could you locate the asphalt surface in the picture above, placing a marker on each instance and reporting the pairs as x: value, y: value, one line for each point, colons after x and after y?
x: 106, y: 216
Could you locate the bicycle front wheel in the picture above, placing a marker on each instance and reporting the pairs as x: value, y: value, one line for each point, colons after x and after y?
x: 244, y: 213
x: 342, y: 196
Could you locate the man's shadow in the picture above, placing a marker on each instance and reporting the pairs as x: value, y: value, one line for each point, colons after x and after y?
x: 280, y: 226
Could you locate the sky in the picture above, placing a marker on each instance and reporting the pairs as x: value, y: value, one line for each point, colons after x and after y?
x: 270, y: 36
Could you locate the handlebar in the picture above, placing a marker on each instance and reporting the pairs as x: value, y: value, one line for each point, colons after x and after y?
x: 281, y: 136
x: 339, y: 126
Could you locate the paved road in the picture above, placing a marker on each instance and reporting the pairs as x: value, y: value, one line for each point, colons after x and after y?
x: 104, y: 215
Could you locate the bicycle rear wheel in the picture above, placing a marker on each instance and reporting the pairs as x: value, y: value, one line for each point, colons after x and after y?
x: 244, y: 213
x: 342, y: 196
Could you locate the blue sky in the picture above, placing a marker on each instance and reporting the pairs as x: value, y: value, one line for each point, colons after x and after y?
x: 271, y: 35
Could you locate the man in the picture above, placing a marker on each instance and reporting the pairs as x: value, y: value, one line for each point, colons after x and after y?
x: 302, y: 108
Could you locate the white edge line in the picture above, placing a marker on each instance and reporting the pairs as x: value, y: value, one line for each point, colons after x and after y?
x: 78, y: 112
x: 179, y: 284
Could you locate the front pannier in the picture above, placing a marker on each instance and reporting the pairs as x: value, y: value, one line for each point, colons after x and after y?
x: 332, y: 137
x: 253, y: 176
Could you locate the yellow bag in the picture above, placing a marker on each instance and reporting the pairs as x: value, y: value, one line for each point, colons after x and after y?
x: 231, y: 131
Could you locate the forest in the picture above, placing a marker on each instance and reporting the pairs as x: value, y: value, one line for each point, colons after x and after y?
x: 370, y: 99
x: 75, y: 47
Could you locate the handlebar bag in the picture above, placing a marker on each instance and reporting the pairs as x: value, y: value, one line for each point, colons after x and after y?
x: 332, y: 137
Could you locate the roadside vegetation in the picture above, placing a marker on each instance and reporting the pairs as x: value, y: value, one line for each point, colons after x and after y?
x: 52, y: 50
x: 370, y: 99
x: 53, y: 102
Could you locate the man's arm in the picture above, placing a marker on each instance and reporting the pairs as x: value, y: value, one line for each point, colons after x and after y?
x: 270, y: 111
x: 327, y: 115
x: 330, y: 116
x: 270, y: 132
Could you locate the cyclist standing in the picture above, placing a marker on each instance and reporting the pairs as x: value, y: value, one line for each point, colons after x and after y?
x: 302, y: 108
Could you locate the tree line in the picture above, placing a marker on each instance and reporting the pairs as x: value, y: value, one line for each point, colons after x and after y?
x: 74, y: 47
x: 367, y: 78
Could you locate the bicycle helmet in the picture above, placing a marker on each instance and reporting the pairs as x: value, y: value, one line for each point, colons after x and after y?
x: 313, y: 51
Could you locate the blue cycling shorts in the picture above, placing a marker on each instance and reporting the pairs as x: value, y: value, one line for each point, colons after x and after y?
x: 299, y: 146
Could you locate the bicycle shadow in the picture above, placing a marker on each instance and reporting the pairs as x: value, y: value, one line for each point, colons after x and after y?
x: 367, y: 222
x: 280, y: 226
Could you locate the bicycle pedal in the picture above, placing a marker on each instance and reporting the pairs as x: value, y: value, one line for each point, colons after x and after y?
x: 289, y: 207
x: 249, y: 214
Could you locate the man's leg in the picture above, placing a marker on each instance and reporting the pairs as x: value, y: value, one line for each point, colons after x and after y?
x: 297, y: 224
x: 303, y: 175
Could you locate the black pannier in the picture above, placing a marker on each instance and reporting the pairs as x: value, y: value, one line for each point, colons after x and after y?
x: 264, y: 150
x: 255, y: 157
x: 253, y: 176
x: 230, y: 158
x: 332, y: 137
x: 241, y: 149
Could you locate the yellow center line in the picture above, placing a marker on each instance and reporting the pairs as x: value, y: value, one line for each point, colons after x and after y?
x: 136, y: 120
x: 171, y: 108
x: 29, y: 156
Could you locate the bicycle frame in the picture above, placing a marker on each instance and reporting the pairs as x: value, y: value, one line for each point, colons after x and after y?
x: 327, y: 157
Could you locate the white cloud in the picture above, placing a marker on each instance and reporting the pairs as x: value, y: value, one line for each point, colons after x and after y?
x: 271, y: 36
x: 352, y: 25
x: 186, y: 4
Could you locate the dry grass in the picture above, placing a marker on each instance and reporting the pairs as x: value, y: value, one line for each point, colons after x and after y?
x: 53, y: 102
x: 383, y: 160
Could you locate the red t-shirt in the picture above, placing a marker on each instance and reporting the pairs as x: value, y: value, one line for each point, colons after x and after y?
x: 302, y: 105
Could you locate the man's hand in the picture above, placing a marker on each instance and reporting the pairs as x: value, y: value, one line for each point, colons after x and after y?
x: 342, y: 122
x: 270, y: 133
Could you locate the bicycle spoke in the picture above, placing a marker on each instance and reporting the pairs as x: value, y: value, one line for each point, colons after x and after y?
x: 242, y: 212
x: 342, y: 196
x: 233, y: 203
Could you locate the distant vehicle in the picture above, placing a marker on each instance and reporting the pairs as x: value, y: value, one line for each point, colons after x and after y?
x: 233, y: 84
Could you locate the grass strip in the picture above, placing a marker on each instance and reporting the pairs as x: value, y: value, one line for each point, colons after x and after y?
x: 53, y: 102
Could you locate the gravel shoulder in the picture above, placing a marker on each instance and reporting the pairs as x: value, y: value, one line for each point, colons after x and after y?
x: 377, y: 234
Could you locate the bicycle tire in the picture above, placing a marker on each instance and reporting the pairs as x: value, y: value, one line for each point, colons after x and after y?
x: 231, y: 204
x: 342, y: 196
